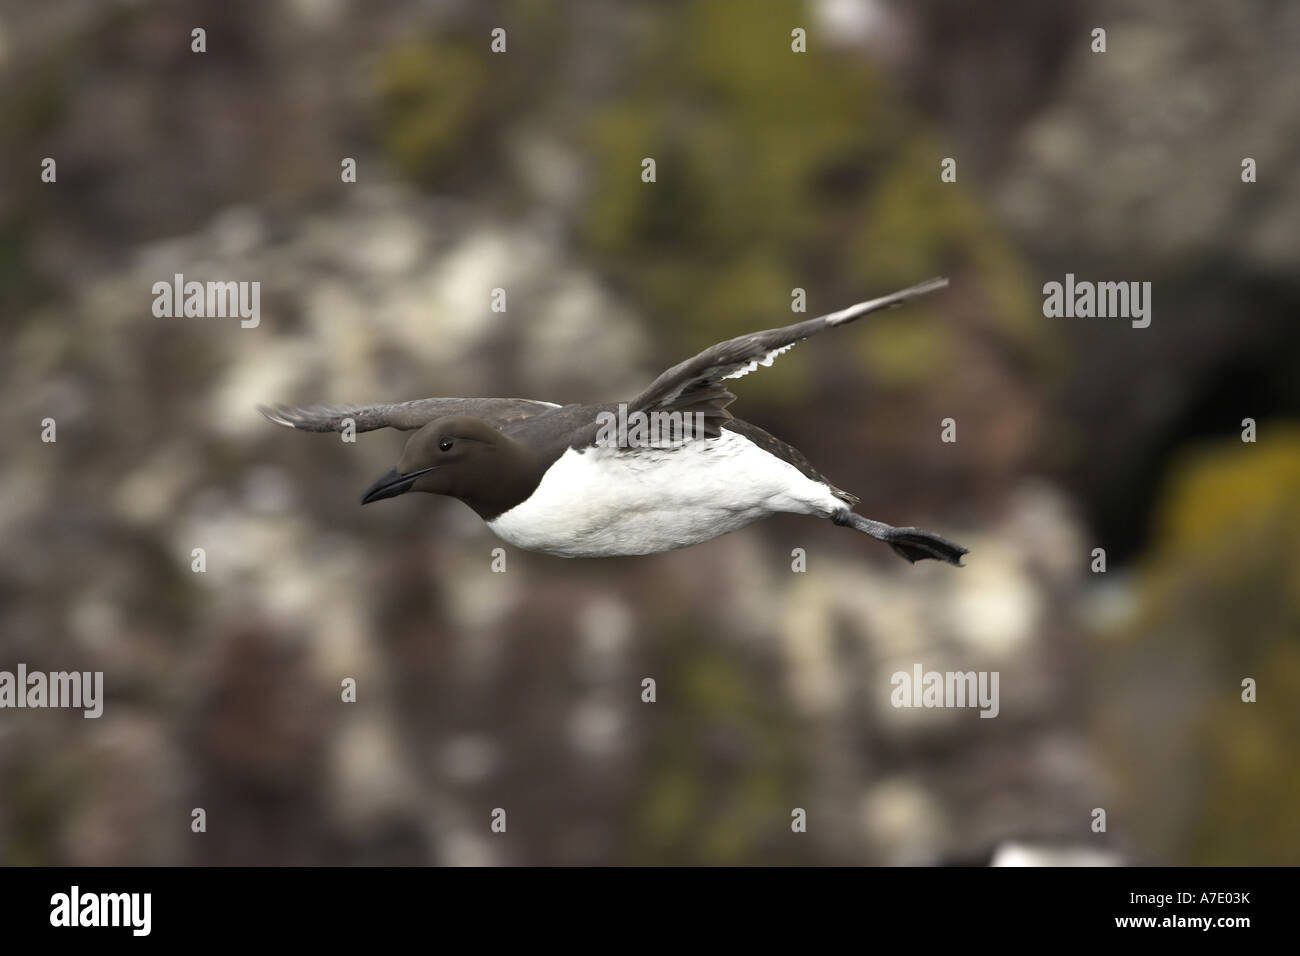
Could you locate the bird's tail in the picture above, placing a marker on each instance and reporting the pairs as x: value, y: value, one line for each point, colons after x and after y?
x: 910, y: 543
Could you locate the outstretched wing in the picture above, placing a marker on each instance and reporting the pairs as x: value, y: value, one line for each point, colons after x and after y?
x: 404, y: 415
x: 696, y: 385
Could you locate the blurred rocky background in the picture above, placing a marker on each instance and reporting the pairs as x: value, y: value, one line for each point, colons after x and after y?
x: 776, y: 170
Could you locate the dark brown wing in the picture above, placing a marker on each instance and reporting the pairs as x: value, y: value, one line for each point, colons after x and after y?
x: 405, y: 415
x: 696, y: 385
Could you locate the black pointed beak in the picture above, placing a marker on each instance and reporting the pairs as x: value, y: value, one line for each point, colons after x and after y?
x: 391, y: 484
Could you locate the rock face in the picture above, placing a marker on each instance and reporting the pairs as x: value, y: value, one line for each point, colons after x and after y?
x: 771, y: 652
x: 1154, y: 190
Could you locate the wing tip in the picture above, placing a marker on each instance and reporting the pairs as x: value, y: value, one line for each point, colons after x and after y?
x: 929, y: 285
x: 286, y: 415
x: 276, y: 414
x: 887, y: 301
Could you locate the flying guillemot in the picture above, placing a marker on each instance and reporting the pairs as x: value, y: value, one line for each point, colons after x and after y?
x: 548, y: 477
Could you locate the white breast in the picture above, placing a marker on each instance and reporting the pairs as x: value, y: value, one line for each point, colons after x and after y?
x: 605, y: 501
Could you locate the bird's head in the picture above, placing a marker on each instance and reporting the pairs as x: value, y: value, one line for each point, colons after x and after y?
x: 465, y: 458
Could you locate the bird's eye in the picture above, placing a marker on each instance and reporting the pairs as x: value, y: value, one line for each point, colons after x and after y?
x: 444, y: 444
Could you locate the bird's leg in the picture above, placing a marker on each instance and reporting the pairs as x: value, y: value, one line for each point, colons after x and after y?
x: 911, y: 543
